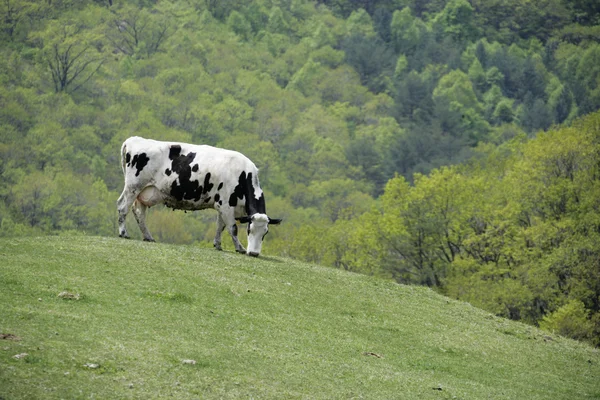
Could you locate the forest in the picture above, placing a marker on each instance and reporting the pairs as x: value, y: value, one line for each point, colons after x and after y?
x: 447, y: 143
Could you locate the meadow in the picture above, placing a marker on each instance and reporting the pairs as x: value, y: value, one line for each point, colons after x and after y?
x: 95, y: 317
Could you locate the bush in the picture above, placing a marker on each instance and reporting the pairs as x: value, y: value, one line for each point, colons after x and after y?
x: 571, y: 320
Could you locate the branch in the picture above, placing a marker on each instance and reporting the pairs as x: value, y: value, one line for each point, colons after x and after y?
x: 90, y: 75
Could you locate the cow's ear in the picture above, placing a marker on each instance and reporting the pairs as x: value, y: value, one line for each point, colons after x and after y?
x: 275, y: 221
x: 244, y: 220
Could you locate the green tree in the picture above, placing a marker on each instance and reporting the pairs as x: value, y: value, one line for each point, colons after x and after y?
x: 571, y: 320
x: 407, y: 31
x: 138, y: 32
x: 237, y: 23
x: 15, y: 13
x: 457, y: 21
x: 71, y: 52
x: 458, y: 107
x: 371, y: 58
x: 277, y: 22
x: 360, y: 23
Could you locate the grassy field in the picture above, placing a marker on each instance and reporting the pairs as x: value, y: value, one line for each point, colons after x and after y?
x: 150, y: 321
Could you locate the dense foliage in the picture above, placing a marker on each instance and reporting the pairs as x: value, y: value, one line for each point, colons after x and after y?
x: 354, y: 112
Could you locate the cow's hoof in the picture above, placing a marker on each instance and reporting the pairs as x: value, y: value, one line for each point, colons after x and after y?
x: 218, y: 247
x: 252, y: 254
x: 149, y: 240
x: 241, y: 251
x: 124, y: 236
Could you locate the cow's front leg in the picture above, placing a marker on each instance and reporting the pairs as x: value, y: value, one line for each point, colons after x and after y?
x: 220, y: 228
x: 139, y: 210
x: 233, y: 231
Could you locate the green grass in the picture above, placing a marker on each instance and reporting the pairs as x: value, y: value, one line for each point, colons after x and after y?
x: 256, y: 328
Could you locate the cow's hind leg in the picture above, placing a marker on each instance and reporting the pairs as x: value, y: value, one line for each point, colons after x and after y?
x: 123, y: 205
x: 220, y: 228
x: 139, y: 210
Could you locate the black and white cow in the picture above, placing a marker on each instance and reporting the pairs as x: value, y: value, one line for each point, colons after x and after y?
x: 192, y: 177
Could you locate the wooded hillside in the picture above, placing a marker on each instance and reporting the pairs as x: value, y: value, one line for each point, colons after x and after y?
x: 396, y: 137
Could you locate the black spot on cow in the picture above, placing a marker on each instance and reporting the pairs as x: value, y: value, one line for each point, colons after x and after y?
x: 127, y: 159
x: 139, y: 161
x: 207, y: 185
x: 167, y: 172
x: 254, y: 205
x: 220, y: 186
x: 246, y: 189
x: 239, y: 191
x: 206, y: 200
x: 185, y: 188
x: 218, y: 198
x: 174, y: 151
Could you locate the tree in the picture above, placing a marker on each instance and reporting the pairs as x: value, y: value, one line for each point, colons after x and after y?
x: 586, y: 11
x: 277, y: 22
x: 360, y: 23
x: 13, y: 13
x: 72, y: 53
x: 137, y: 31
x: 571, y: 320
x: 458, y: 108
x: 503, y: 113
x: 407, y: 31
x: 457, y: 21
x: 239, y: 25
x: 371, y: 58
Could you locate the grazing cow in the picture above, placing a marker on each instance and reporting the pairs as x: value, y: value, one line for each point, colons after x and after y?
x: 191, y: 177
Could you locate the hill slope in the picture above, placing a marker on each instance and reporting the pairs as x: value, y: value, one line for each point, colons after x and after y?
x: 268, y: 328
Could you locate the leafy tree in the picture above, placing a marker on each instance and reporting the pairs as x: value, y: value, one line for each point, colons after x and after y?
x: 477, y: 76
x: 71, y: 52
x: 503, y: 113
x: 15, y: 13
x: 570, y: 320
x: 306, y: 77
x: 137, y: 31
x: 585, y: 11
x: 277, y: 22
x: 561, y: 100
x: 458, y: 107
x: 382, y: 19
x: 371, y: 58
x: 588, y: 75
x: 238, y: 23
x: 457, y: 21
x: 407, y: 31
x: 537, y: 116
x: 360, y: 23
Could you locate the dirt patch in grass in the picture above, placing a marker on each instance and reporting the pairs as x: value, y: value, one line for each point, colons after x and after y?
x: 9, y: 336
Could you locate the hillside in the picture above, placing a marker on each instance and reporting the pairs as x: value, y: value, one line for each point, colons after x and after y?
x: 255, y: 328
x: 447, y: 143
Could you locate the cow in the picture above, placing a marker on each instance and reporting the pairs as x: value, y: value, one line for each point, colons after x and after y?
x: 193, y: 177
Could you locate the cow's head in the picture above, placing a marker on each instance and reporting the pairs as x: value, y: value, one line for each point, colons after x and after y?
x: 258, y: 226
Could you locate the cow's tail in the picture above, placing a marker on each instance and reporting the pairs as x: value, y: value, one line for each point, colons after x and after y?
x: 123, y: 156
